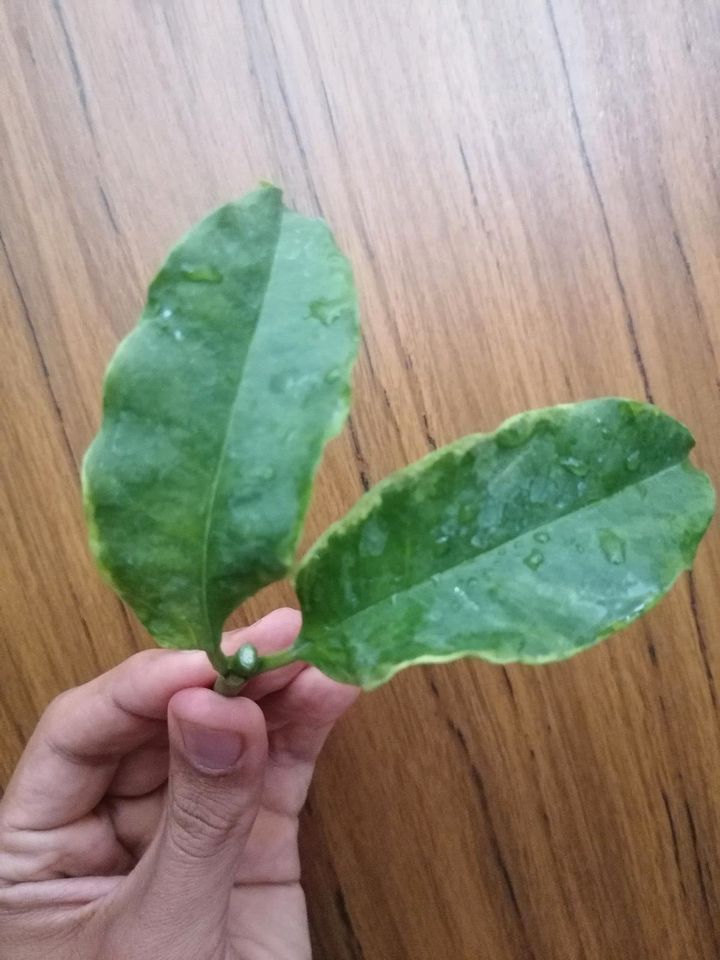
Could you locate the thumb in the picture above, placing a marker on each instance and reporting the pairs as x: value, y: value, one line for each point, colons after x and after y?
x: 218, y: 751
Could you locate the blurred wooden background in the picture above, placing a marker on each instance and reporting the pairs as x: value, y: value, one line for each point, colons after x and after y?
x: 529, y: 191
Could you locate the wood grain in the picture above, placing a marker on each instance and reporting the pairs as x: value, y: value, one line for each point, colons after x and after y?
x: 531, y: 198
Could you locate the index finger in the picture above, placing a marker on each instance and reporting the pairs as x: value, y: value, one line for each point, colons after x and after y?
x: 81, y: 738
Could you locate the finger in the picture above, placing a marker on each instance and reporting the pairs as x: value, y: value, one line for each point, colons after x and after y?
x: 75, y: 750
x: 143, y: 770
x: 86, y: 847
x: 299, y: 719
x: 274, y: 632
x: 218, y: 752
x: 136, y: 820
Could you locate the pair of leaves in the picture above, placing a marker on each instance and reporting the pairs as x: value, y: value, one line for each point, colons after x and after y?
x: 528, y: 544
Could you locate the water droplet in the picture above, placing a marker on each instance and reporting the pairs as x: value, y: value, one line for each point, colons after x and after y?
x: 332, y: 376
x: 435, y: 578
x: 179, y: 335
x: 468, y: 512
x: 443, y: 543
x: 324, y: 311
x: 517, y: 432
x: 202, y: 273
x: 373, y: 539
x: 612, y: 546
x: 577, y: 467
x: 534, y: 560
x: 542, y: 536
x: 632, y: 460
x: 166, y: 312
x: 477, y: 540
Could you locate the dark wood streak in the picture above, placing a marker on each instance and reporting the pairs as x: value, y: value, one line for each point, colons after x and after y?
x: 674, y: 839
x: 85, y: 627
x: 699, y: 867
x: 359, y: 456
x: 353, y: 941
x: 652, y: 653
x: 288, y: 110
x: 692, y: 285
x: 40, y: 358
x: 413, y: 381
x: 75, y: 67
x: 702, y: 643
x: 468, y: 175
x: 328, y: 110
x: 587, y: 164
x: 131, y: 633
x: 494, y: 842
x: 108, y: 209
x: 650, y: 645
x: 391, y: 412
x: 476, y: 205
x: 508, y: 684
x: 430, y: 437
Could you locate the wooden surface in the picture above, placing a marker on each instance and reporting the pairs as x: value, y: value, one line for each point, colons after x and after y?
x: 529, y: 192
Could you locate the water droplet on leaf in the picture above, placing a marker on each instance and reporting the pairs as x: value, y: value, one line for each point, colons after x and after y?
x: 612, y: 546
x: 203, y: 273
x: 179, y: 335
x: 373, y: 539
x: 542, y: 536
x: 326, y: 313
x: 574, y: 466
x: 516, y: 433
x: 534, y: 560
x: 632, y: 460
x: 467, y: 513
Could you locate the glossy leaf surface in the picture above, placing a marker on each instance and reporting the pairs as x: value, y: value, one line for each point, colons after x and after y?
x: 528, y: 544
x: 216, y: 410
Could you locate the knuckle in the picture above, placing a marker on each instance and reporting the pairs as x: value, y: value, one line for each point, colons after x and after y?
x: 198, y: 826
x: 57, y: 707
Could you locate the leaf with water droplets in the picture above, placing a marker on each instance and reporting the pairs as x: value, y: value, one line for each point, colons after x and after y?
x: 216, y: 411
x: 460, y: 571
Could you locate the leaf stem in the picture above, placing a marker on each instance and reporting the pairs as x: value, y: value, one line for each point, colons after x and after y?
x: 235, y: 671
x: 281, y: 658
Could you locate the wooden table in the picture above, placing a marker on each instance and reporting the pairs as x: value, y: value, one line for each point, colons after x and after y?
x: 529, y: 192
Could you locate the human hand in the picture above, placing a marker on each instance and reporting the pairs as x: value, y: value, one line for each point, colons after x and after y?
x: 152, y: 819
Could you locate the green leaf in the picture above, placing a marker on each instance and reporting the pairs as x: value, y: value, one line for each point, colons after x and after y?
x: 216, y: 411
x: 528, y: 544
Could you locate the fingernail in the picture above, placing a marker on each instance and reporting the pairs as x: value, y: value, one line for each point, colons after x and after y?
x: 211, y: 749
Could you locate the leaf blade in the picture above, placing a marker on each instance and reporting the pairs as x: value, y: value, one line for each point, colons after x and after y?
x: 485, y: 532
x: 216, y: 410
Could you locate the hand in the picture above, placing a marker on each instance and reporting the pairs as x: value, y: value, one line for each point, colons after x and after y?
x: 152, y: 819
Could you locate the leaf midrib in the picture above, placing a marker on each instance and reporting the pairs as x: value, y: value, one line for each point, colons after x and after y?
x: 530, y: 530
x: 223, y: 451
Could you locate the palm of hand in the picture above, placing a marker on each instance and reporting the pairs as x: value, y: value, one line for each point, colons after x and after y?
x: 124, y: 873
